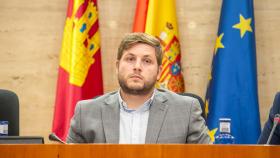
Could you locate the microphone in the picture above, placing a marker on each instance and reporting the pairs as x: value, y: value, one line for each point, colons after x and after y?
x: 54, y: 137
x: 276, y: 121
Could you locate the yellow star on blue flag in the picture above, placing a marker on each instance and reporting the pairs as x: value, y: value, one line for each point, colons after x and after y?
x: 219, y: 43
x: 244, y: 25
x: 212, y: 133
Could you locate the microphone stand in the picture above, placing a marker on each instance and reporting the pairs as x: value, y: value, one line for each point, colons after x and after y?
x: 276, y: 120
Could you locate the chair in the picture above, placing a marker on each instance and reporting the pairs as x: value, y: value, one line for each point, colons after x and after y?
x: 201, y: 102
x: 9, y: 111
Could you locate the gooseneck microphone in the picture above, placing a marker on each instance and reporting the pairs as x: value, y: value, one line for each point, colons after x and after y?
x: 54, y: 137
x: 276, y: 121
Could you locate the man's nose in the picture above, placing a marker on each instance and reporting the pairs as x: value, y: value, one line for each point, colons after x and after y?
x: 138, y: 64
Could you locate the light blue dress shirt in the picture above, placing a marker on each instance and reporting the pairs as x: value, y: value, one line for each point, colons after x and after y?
x: 133, y: 123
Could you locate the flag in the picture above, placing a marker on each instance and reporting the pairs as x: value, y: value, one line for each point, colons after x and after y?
x: 79, y: 72
x: 158, y: 18
x: 232, y: 90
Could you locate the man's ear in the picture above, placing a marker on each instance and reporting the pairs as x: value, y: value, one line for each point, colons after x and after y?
x: 159, y: 72
x: 117, y: 66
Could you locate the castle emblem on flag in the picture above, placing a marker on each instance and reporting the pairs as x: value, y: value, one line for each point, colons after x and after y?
x: 81, y: 42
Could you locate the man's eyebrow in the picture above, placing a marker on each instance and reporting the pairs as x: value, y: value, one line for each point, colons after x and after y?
x: 129, y: 54
x: 147, y: 56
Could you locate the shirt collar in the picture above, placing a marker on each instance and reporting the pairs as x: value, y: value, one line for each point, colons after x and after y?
x: 144, y: 107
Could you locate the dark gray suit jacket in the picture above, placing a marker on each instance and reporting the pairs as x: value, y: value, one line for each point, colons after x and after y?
x: 172, y: 119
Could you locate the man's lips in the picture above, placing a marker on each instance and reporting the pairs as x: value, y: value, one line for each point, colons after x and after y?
x: 136, y: 76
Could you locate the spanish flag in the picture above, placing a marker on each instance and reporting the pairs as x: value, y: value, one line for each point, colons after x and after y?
x: 158, y: 18
x: 79, y: 72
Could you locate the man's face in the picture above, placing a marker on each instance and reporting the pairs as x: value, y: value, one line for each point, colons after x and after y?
x: 138, y: 69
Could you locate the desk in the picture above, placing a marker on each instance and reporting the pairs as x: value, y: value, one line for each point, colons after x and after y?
x: 137, y: 151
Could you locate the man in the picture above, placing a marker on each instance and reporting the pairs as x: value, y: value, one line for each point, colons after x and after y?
x: 275, y: 109
x: 138, y: 113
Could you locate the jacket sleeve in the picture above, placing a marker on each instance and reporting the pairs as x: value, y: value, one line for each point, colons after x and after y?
x: 75, y: 131
x: 198, y: 131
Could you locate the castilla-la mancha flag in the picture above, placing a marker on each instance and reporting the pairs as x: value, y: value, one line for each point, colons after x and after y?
x: 79, y: 72
x: 158, y: 18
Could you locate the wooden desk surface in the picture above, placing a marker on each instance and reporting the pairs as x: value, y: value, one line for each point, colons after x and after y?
x: 138, y: 151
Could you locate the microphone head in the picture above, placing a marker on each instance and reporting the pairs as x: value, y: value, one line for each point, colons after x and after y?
x: 276, y: 119
x: 54, y: 137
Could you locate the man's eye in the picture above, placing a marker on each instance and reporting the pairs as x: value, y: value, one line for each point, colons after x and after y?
x: 148, y: 61
x: 130, y: 59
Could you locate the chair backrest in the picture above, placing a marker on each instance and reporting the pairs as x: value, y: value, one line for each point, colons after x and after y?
x: 9, y: 111
x: 201, y: 102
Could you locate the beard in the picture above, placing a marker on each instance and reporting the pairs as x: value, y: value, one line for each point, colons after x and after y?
x: 144, y: 90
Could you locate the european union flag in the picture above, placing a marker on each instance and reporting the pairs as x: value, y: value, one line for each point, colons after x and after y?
x: 232, y: 89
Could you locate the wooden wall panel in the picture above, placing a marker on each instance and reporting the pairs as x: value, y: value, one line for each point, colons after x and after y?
x: 30, y: 43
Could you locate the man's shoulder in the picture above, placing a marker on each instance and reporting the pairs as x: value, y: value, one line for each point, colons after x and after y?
x: 98, y: 101
x: 178, y: 104
x: 172, y: 96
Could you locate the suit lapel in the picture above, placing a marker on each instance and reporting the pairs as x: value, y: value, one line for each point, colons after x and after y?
x: 111, y: 119
x: 156, y: 117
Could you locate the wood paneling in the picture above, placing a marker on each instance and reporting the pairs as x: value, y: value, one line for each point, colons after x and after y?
x: 138, y: 151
